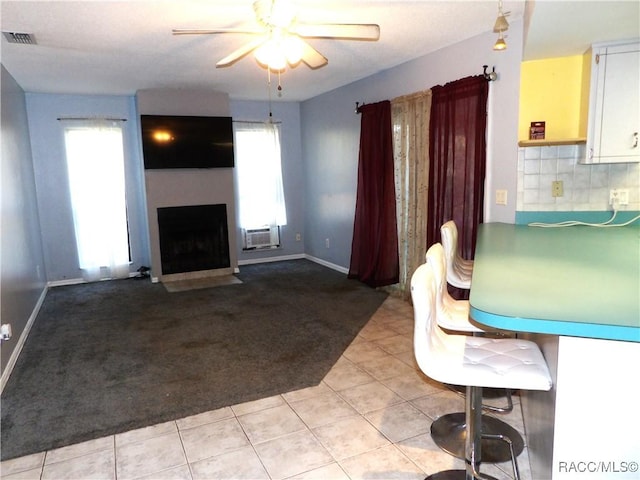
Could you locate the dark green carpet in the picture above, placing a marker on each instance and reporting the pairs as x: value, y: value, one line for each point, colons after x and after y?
x: 108, y: 357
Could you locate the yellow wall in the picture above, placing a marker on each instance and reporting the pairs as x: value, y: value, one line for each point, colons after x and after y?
x: 554, y: 91
x: 586, y: 86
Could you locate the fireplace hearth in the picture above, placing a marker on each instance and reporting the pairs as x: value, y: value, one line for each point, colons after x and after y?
x: 193, y: 238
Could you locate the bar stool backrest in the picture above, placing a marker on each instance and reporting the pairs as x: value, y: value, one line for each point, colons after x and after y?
x: 458, y: 269
x: 436, y: 258
x: 428, y: 338
x: 452, y: 314
x: 449, y: 236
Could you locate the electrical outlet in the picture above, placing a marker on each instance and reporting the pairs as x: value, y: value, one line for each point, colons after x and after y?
x: 557, y: 188
x: 501, y: 197
x: 5, y: 331
x: 327, y: 243
x: 298, y: 237
x: 619, y: 196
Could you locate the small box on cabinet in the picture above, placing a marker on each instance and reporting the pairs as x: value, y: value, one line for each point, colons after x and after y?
x: 536, y: 131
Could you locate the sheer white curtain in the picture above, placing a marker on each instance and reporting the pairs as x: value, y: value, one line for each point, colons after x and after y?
x: 95, y: 164
x: 410, y: 119
x: 259, y: 175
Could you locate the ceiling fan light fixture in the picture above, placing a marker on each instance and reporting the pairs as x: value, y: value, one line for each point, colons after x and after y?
x: 293, y: 49
x: 281, y: 49
x: 271, y: 55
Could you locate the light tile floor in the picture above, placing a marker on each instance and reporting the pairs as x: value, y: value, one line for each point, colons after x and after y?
x: 369, y: 418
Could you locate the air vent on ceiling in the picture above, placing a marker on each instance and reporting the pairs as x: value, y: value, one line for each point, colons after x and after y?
x: 24, y: 38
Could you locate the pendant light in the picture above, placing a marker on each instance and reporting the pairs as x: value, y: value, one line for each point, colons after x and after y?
x: 500, y: 27
x: 500, y: 43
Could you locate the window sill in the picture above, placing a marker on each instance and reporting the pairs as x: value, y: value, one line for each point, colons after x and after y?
x: 261, y: 249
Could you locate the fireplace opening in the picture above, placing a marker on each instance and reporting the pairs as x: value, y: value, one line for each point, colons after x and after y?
x: 193, y: 238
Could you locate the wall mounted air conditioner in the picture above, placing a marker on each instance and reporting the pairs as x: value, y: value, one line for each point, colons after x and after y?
x: 261, y: 237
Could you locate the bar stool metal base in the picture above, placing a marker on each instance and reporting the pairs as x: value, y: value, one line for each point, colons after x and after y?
x: 486, y: 392
x: 449, y: 433
x: 489, y: 393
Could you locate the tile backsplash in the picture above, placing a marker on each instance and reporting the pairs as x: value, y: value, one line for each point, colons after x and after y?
x: 586, y: 187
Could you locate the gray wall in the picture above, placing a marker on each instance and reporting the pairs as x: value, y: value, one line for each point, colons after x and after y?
x: 330, y: 135
x: 292, y: 172
x: 49, y: 161
x: 50, y: 167
x: 22, y: 267
x: 173, y: 188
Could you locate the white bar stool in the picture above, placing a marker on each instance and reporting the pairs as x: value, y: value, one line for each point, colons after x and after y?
x: 449, y: 431
x: 458, y: 269
x: 452, y: 314
x: 473, y: 361
x: 459, y: 273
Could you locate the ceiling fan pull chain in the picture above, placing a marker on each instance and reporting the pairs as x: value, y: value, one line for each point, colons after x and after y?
x: 279, y: 85
x: 269, y: 88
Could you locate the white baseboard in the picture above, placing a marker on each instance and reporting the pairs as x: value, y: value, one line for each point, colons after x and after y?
x: 23, y: 338
x: 77, y: 281
x: 66, y: 281
x: 299, y: 256
x: 280, y: 258
x: 330, y: 265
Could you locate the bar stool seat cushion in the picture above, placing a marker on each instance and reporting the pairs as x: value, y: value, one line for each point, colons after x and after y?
x: 488, y: 362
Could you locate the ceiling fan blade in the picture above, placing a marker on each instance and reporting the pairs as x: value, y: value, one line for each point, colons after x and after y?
x: 247, y: 48
x: 312, y: 57
x: 351, y: 31
x: 183, y: 31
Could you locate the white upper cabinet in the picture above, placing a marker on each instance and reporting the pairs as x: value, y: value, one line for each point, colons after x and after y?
x: 614, y: 104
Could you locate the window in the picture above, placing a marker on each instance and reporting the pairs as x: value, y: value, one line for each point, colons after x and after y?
x: 261, y: 200
x: 95, y: 164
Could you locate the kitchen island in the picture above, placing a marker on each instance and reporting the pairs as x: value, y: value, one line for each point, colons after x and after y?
x: 576, y: 292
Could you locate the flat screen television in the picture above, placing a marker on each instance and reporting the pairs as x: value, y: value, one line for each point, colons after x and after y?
x: 173, y: 141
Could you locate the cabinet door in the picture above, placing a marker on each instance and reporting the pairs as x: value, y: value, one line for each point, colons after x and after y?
x: 616, y: 119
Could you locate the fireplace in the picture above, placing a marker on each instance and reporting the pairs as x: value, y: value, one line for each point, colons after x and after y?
x: 193, y: 238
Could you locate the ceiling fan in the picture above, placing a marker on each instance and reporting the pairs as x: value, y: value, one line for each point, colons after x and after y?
x: 280, y: 37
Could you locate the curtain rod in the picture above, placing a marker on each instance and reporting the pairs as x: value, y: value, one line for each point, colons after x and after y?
x: 489, y: 76
x: 93, y: 118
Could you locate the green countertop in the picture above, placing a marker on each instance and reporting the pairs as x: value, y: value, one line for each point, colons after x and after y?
x: 575, y: 281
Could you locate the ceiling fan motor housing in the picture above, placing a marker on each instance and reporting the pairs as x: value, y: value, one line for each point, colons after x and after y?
x: 272, y: 13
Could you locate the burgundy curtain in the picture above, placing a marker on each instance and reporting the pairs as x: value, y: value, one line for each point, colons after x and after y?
x: 374, y: 250
x: 457, y: 151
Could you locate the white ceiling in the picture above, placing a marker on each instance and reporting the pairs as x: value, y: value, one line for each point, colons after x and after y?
x: 119, y: 47
x: 563, y: 28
